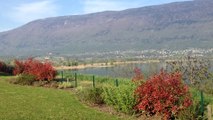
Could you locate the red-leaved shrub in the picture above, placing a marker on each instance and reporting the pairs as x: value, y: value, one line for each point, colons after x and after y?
x: 138, y: 76
x: 163, y: 94
x: 42, y: 71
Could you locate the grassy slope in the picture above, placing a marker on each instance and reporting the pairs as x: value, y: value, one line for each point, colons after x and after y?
x: 31, y: 103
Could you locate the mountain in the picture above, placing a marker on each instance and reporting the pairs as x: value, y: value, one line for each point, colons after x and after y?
x: 178, y: 25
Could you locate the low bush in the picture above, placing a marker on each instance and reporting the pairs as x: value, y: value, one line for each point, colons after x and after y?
x: 47, y: 84
x: 91, y: 95
x: 63, y: 85
x: 193, y: 112
x: 24, y: 79
x: 39, y: 83
x: 163, y: 94
x: 121, y: 98
x: 41, y: 71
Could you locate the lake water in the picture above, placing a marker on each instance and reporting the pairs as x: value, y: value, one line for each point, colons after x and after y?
x: 125, y: 70
x: 122, y: 70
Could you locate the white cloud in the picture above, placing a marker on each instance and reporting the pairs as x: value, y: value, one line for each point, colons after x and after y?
x: 91, y: 6
x: 30, y: 11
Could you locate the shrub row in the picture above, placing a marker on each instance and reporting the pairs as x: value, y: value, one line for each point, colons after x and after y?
x: 163, y: 94
x: 41, y: 71
x: 91, y: 95
x: 122, y: 98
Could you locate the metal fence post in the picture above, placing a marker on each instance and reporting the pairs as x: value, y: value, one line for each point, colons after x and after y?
x: 93, y: 80
x: 116, y: 82
x: 202, y: 102
x: 76, y: 84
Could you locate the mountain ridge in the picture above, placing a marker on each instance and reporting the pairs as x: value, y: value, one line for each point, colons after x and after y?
x: 178, y: 25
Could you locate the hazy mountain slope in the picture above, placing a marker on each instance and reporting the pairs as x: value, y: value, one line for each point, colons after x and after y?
x: 172, y: 26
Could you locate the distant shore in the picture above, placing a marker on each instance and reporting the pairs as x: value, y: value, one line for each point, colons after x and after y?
x: 98, y: 65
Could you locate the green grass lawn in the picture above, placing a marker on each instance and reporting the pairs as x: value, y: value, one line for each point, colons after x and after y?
x: 34, y: 103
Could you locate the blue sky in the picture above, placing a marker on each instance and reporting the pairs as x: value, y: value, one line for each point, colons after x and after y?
x: 14, y: 13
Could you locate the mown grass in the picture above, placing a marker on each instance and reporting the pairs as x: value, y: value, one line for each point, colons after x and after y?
x: 34, y: 103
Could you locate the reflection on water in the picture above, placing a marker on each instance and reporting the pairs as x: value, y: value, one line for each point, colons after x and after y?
x: 125, y: 71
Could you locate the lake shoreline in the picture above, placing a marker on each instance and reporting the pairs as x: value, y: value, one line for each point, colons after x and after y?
x: 99, y: 65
